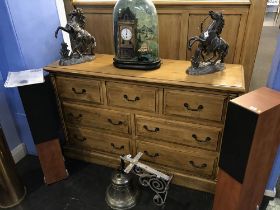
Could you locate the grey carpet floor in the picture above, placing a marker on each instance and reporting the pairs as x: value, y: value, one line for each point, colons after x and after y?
x: 264, y: 57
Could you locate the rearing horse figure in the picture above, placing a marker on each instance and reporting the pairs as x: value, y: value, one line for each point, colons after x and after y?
x: 210, y: 42
x: 82, y: 42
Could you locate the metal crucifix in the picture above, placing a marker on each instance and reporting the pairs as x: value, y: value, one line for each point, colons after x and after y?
x: 149, y: 177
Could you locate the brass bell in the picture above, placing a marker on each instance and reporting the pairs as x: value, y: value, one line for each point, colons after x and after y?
x: 12, y: 191
x: 121, y: 194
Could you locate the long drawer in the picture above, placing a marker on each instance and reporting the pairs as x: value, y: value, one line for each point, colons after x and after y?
x: 79, y: 89
x: 82, y: 115
x: 189, y: 134
x: 196, y: 161
x: 99, y: 141
x: 194, y: 104
x: 131, y: 96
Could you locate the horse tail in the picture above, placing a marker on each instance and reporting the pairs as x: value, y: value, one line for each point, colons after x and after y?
x: 192, y: 41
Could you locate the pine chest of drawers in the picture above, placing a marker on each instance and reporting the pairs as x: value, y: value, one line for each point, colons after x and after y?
x: 175, y: 119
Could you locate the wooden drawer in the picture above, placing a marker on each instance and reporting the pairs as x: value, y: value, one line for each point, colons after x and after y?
x: 192, y: 160
x: 131, y: 96
x: 98, y: 141
x: 81, y: 115
x: 195, y: 135
x: 79, y: 89
x: 194, y: 104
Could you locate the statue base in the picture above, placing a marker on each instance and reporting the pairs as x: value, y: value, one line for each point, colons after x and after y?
x: 206, y: 69
x: 76, y: 60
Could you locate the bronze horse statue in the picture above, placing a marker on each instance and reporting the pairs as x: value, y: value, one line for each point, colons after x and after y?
x: 210, y: 42
x: 82, y: 42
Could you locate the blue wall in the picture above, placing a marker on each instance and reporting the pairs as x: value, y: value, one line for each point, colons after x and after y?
x: 26, y: 41
x: 274, y: 83
x: 6, y: 119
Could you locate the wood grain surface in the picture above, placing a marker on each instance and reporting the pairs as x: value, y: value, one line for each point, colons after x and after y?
x: 127, y: 111
x: 172, y: 72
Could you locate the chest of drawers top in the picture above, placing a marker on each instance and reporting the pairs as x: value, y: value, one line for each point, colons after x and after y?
x: 171, y: 73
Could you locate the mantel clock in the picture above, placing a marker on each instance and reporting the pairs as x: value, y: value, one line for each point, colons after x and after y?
x: 136, y: 35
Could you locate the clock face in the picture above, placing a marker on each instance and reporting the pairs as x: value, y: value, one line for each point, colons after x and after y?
x: 126, y: 34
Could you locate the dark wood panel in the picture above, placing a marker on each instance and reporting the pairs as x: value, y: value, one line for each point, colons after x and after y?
x: 100, y: 25
x: 51, y: 160
x: 227, y: 192
x: 259, y: 148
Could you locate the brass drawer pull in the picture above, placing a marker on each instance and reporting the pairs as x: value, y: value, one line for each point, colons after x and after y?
x: 118, y: 148
x: 79, y: 139
x: 72, y: 116
x: 115, y: 123
x: 77, y: 92
x: 204, y: 165
x: 198, y: 140
x: 199, y: 108
x: 151, y: 156
x: 151, y: 130
x: 132, y: 100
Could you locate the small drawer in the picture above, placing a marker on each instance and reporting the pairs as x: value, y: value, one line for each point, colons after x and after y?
x: 79, y: 89
x: 194, y: 104
x: 189, y: 134
x: 81, y: 115
x: 98, y: 141
x: 192, y: 160
x: 131, y: 96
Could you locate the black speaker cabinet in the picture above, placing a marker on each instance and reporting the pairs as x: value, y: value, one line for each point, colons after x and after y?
x: 41, y: 111
x: 249, y: 145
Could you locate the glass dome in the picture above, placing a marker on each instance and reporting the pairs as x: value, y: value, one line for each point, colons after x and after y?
x: 136, y: 35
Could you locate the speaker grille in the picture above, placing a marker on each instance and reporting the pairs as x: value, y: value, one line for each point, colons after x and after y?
x: 237, y: 140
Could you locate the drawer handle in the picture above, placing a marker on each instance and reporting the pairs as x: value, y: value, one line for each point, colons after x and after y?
x: 79, y: 92
x: 118, y: 148
x: 199, y: 108
x: 151, y: 156
x: 115, y: 123
x: 72, y: 116
x: 198, y: 140
x: 80, y: 139
x: 151, y: 130
x: 204, y: 165
x: 132, y: 100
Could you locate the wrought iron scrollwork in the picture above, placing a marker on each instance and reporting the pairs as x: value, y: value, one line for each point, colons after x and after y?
x: 158, y: 185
